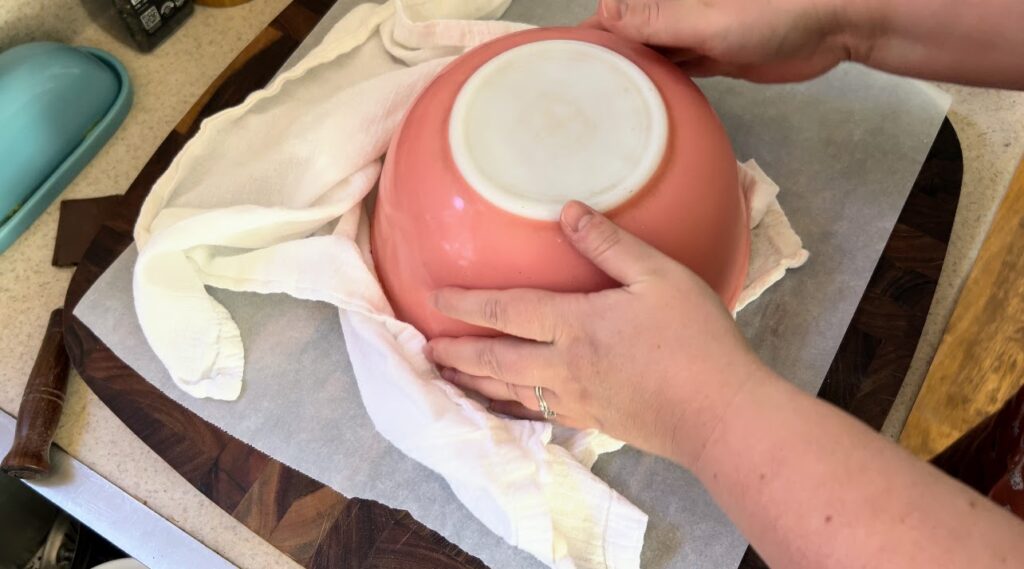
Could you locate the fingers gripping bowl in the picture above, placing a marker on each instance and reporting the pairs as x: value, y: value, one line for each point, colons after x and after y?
x: 485, y: 158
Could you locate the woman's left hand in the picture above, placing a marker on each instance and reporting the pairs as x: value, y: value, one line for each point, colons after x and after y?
x: 654, y: 362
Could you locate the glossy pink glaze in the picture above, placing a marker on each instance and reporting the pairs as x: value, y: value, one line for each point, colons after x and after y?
x: 431, y: 230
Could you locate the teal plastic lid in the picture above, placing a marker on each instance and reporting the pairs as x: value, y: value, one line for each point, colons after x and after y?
x: 59, y: 105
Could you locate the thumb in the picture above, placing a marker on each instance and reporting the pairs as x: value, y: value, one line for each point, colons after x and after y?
x: 617, y: 252
x: 668, y: 23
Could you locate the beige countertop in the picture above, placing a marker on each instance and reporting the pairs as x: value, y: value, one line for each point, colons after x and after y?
x: 167, y: 81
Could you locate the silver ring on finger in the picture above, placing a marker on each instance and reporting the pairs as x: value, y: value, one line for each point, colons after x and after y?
x: 544, y: 408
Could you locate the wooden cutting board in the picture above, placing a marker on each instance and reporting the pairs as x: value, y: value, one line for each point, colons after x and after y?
x: 980, y: 361
x: 318, y: 527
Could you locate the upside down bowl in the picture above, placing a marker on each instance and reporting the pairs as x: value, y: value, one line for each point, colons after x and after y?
x: 485, y: 158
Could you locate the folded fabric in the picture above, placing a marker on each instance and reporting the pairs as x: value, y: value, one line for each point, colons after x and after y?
x: 244, y: 211
x: 774, y: 246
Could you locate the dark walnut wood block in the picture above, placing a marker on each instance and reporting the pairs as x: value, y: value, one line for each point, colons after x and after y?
x: 318, y: 527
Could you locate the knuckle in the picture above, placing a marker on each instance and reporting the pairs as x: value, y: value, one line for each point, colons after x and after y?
x: 494, y: 312
x: 513, y: 390
x: 605, y: 238
x: 489, y: 360
x: 652, y: 12
x: 644, y: 15
x: 569, y: 320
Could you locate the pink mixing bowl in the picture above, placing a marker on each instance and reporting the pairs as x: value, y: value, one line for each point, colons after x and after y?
x: 506, y: 134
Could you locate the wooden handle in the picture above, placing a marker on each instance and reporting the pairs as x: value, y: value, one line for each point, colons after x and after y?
x: 41, y: 406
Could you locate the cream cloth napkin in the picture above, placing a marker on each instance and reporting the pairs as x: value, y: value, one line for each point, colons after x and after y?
x: 268, y: 198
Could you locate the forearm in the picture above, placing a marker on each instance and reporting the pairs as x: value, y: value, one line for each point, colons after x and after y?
x: 976, y: 42
x: 812, y: 487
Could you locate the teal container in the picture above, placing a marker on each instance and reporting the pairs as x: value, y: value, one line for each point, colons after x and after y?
x: 58, y: 106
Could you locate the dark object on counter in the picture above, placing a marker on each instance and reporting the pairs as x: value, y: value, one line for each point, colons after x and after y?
x: 36, y: 534
x: 222, y: 3
x: 151, y: 21
x: 25, y: 523
x: 41, y: 406
x: 990, y: 457
x: 78, y: 224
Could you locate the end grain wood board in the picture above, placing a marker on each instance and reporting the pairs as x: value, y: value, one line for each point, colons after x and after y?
x: 980, y: 361
x: 318, y: 527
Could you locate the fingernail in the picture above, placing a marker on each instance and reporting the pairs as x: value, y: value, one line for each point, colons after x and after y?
x: 576, y: 216
x: 448, y: 374
x: 611, y: 10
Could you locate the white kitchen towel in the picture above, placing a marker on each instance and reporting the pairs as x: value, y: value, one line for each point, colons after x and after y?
x: 774, y: 246
x: 268, y: 197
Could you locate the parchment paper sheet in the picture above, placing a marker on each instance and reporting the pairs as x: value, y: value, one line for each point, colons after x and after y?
x: 845, y: 149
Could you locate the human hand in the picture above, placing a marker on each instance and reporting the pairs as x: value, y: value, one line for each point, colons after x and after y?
x: 655, y: 362
x: 784, y: 40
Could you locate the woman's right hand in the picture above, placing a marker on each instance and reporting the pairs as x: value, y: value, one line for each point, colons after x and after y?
x: 779, y: 41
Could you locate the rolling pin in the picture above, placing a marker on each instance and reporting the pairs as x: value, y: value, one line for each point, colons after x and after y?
x: 41, y: 406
